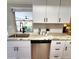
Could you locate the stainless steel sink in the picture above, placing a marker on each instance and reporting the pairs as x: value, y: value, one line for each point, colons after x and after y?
x: 20, y: 35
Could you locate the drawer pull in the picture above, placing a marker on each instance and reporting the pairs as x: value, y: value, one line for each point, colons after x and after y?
x: 58, y: 42
x: 56, y: 56
x: 15, y: 48
x: 59, y: 19
x: 70, y: 42
x: 44, y: 19
x: 66, y: 48
x: 57, y: 49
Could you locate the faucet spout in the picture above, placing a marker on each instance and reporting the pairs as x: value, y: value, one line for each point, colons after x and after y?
x: 23, y: 31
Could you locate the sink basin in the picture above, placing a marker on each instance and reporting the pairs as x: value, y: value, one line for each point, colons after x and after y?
x: 20, y: 35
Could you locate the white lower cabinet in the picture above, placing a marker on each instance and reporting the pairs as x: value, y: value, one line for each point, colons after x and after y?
x: 60, y: 50
x: 67, y: 50
x: 19, y: 50
x: 56, y: 49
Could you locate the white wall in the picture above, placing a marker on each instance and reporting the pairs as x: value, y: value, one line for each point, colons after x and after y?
x: 11, y: 28
x: 54, y: 28
x: 10, y: 21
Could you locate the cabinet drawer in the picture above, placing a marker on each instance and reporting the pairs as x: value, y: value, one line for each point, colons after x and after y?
x: 58, y: 53
x: 55, y: 56
x: 18, y: 44
x: 56, y: 48
x: 57, y: 45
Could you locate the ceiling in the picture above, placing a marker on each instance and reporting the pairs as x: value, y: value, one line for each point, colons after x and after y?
x: 19, y: 1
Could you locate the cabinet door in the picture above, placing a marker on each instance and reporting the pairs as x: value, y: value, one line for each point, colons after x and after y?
x: 67, y: 50
x: 19, y: 49
x: 11, y: 54
x: 39, y: 10
x: 52, y: 11
x: 24, y: 52
x: 57, y: 45
x: 65, y: 11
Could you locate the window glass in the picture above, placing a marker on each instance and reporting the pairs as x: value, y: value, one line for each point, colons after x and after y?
x: 23, y: 20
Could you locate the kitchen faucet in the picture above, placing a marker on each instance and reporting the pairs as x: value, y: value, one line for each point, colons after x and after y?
x: 23, y: 30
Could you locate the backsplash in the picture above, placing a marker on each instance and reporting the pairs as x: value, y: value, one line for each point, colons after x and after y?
x: 54, y: 28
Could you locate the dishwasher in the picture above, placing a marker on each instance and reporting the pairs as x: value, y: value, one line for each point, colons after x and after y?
x: 40, y: 49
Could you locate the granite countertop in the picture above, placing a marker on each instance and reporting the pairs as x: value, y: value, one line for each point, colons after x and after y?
x: 51, y: 36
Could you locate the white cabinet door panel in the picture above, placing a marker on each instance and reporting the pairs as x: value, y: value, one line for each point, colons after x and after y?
x: 19, y: 49
x: 38, y: 14
x: 65, y: 11
x: 67, y: 53
x: 11, y: 52
x: 67, y: 50
x: 24, y: 52
x: 52, y: 10
x: 39, y: 10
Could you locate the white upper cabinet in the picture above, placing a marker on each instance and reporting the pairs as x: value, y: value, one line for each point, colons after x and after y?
x: 45, y: 11
x: 39, y: 10
x: 52, y: 11
x: 65, y: 11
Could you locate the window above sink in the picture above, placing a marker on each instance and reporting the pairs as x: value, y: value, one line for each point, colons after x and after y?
x: 23, y: 21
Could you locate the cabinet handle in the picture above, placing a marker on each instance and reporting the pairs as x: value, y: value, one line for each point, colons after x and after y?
x: 56, y: 56
x: 44, y: 19
x: 57, y: 49
x: 66, y: 48
x: 59, y: 19
x: 47, y: 19
x: 15, y: 48
x: 58, y: 42
x: 70, y: 43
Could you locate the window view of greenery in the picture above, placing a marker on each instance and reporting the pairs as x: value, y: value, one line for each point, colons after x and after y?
x: 24, y: 20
